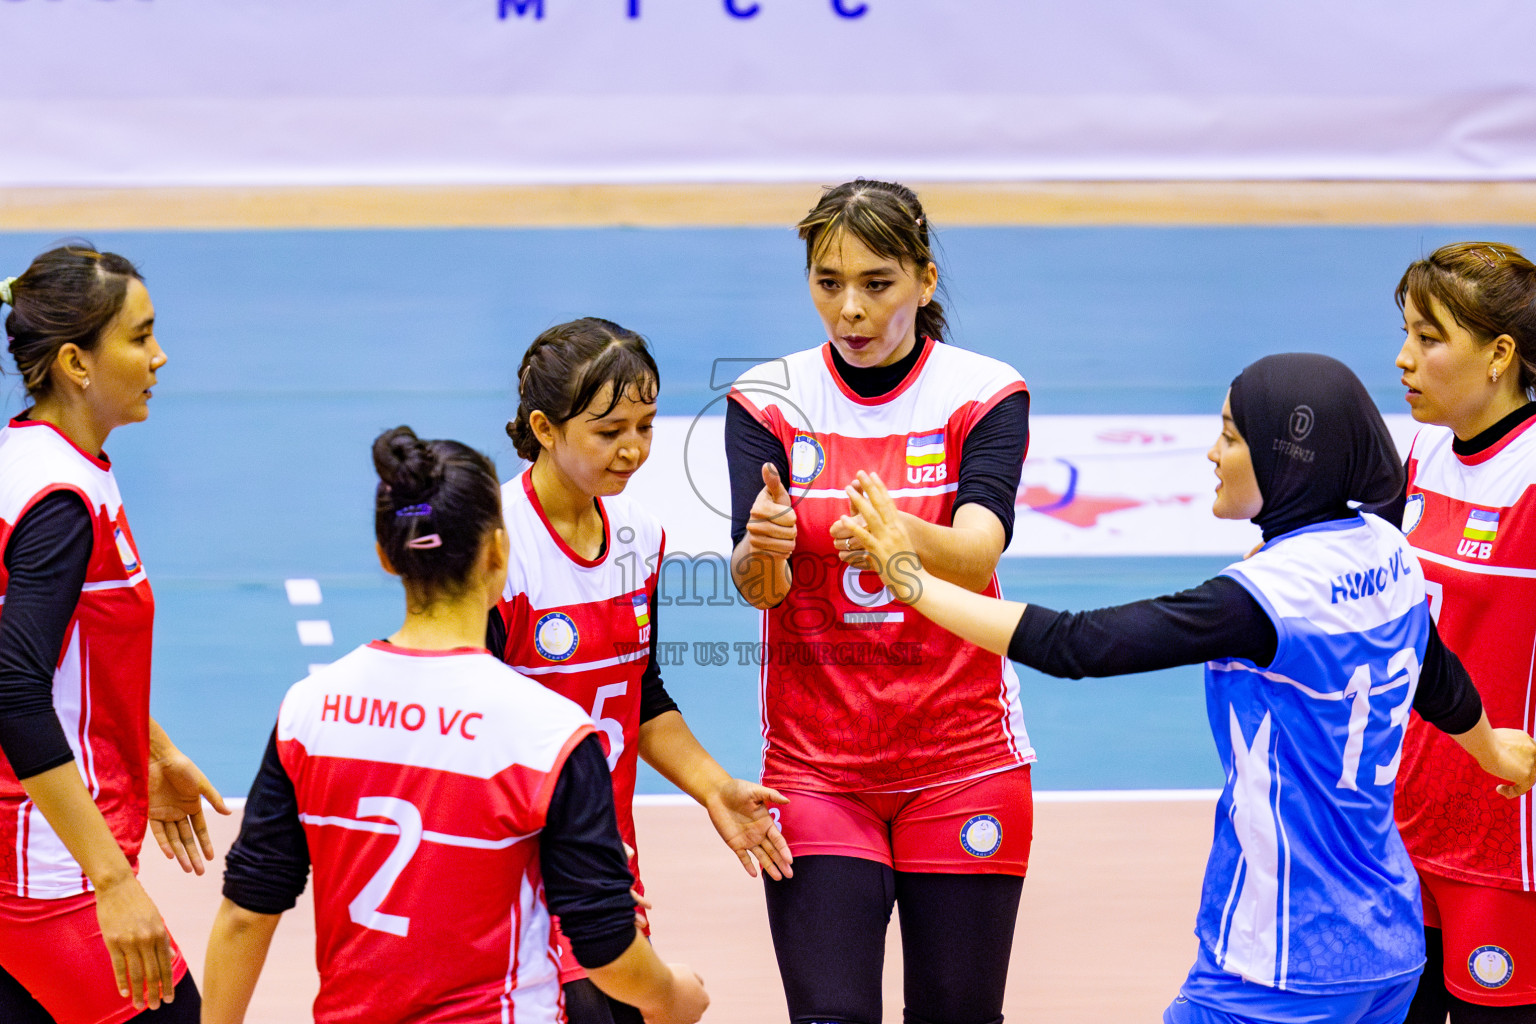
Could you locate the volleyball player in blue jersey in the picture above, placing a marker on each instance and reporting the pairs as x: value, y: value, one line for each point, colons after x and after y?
x: 1316, y: 647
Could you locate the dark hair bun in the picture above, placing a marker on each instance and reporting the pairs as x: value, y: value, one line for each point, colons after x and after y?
x: 406, y: 465
x: 435, y: 502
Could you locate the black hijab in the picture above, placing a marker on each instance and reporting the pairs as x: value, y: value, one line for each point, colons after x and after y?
x: 1316, y: 439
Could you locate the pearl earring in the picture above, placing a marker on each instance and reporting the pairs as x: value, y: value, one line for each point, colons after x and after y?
x: 85, y: 382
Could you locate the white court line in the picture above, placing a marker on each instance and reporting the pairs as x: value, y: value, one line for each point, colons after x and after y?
x: 315, y: 633
x: 303, y: 591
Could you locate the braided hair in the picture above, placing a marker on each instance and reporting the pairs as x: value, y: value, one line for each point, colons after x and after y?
x: 569, y: 365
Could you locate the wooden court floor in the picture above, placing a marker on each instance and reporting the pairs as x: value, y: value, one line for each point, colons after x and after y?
x: 969, y: 204
x: 1104, y: 931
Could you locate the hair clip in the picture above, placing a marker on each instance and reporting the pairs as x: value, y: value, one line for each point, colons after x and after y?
x: 431, y: 540
x: 413, y: 510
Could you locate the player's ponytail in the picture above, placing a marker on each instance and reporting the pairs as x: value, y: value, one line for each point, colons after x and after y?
x: 1488, y: 287
x: 568, y: 365
x: 889, y: 219
x: 434, y: 505
x: 67, y: 296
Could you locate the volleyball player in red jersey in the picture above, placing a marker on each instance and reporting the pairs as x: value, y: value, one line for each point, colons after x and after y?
x: 902, y: 749
x: 85, y: 767
x: 1469, y: 364
x: 446, y: 803
x: 579, y: 610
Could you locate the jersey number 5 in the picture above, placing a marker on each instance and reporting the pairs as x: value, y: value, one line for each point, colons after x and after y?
x: 609, y: 727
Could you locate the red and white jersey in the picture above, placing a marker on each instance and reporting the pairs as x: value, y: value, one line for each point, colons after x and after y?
x: 582, y: 627
x: 101, y: 682
x: 1472, y: 521
x: 860, y: 693
x: 423, y: 779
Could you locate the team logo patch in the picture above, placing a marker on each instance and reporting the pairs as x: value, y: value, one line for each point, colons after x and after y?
x: 1413, y: 511
x: 642, y: 611
x: 806, y: 459
x: 555, y: 637
x: 125, y: 552
x: 981, y: 836
x: 1491, y: 966
x: 925, y: 449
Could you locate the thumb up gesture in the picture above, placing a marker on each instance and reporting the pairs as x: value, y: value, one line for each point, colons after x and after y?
x: 771, y: 526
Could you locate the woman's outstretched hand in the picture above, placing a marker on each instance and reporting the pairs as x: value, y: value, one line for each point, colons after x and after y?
x: 741, y: 812
x: 177, y: 789
x: 877, y: 527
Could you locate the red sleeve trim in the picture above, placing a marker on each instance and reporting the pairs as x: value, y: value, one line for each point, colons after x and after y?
x: 978, y: 410
x: 547, y: 788
x: 752, y: 410
x: 90, y: 509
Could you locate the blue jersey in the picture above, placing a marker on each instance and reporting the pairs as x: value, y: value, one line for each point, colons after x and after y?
x: 1309, y: 888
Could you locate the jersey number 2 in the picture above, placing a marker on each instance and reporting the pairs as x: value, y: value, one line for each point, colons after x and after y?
x: 364, y: 908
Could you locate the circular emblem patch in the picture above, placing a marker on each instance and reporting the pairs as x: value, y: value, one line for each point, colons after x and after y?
x: 1491, y: 966
x: 981, y: 836
x: 806, y: 459
x: 1413, y: 511
x: 555, y: 636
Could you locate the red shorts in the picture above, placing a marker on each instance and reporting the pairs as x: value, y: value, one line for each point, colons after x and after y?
x: 976, y: 827
x: 1490, y: 940
x: 55, y: 950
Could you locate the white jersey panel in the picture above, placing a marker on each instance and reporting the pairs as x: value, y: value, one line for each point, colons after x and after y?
x: 1365, y: 583
x: 950, y: 378
x: 467, y: 714
x: 548, y: 577
x: 1497, y: 483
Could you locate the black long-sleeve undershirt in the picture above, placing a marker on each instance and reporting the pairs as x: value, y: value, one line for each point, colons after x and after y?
x: 991, y: 461
x: 1218, y: 619
x: 586, y: 874
x: 46, y: 560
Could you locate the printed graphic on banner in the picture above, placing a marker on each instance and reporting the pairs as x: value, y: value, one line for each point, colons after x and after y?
x: 1092, y: 485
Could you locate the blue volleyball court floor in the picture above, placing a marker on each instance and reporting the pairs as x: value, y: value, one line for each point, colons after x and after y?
x: 290, y: 350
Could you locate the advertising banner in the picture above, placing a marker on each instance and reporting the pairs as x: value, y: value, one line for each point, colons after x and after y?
x: 269, y: 92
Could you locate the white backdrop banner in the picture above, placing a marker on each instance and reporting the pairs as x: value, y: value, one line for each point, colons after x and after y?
x: 155, y: 92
